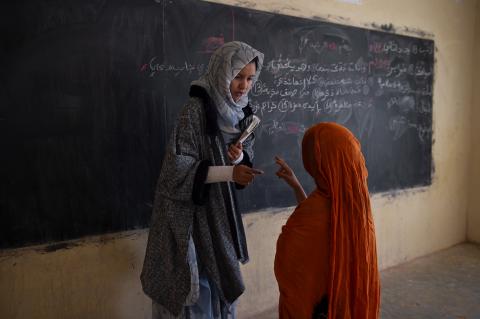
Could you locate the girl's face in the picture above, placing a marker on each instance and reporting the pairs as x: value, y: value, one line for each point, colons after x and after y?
x: 242, y: 83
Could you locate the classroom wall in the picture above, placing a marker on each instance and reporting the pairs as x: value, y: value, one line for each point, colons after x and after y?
x: 98, y: 277
x: 473, y: 222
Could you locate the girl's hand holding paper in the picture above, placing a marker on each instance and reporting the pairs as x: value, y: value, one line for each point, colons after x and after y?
x: 234, y: 152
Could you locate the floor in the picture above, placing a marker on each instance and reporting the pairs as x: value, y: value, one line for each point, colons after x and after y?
x: 442, y: 285
x: 445, y: 284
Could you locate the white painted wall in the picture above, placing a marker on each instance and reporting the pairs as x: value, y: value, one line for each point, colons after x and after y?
x: 98, y: 277
x: 474, y: 198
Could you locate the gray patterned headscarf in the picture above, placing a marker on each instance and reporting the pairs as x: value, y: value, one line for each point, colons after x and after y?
x: 226, y: 62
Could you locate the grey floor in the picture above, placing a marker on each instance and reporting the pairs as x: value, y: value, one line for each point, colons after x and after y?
x: 443, y: 285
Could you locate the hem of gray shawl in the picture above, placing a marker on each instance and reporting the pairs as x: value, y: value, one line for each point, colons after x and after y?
x: 200, y: 189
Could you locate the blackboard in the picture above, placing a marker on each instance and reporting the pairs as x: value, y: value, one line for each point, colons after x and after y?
x: 90, y: 90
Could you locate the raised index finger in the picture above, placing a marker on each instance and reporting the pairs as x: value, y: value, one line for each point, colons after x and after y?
x: 281, y: 162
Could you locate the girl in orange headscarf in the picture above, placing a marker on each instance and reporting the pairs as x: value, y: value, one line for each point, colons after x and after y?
x: 326, y: 259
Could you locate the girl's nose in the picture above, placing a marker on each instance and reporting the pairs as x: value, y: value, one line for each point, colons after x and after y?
x: 243, y: 84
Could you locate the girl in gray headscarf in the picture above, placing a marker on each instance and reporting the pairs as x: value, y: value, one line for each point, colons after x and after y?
x: 196, y: 238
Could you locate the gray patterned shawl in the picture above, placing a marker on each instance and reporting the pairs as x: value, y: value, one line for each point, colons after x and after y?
x: 175, y: 218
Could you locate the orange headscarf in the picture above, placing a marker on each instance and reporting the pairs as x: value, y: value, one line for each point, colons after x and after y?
x: 332, y: 156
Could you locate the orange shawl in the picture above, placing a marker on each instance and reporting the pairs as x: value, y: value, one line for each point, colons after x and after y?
x: 327, y: 246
